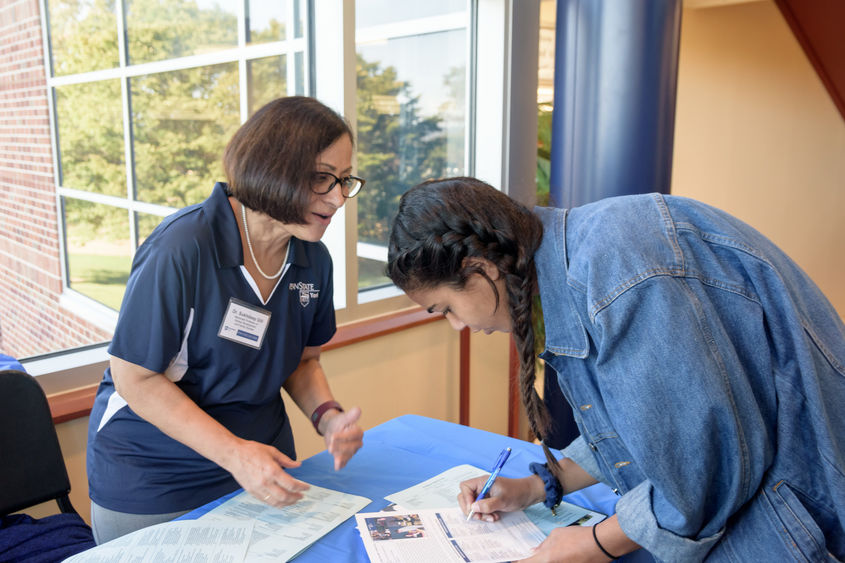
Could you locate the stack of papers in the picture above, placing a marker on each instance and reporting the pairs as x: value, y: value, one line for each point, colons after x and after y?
x: 418, y: 527
x: 241, y: 529
x: 446, y: 535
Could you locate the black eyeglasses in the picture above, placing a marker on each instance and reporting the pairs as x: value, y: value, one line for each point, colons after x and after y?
x: 324, y: 182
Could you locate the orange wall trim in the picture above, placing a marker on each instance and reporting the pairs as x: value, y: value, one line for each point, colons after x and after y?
x: 72, y: 404
x: 463, y: 409
x: 77, y: 403
x: 513, y: 391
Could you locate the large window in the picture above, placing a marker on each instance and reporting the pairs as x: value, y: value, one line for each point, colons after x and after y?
x: 145, y: 96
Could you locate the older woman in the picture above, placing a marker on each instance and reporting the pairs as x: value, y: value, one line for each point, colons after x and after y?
x: 227, y: 303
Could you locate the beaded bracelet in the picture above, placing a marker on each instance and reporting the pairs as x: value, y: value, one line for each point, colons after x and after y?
x: 554, y: 490
x: 318, y: 413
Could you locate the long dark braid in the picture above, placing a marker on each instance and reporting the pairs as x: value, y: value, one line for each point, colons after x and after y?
x: 442, y: 222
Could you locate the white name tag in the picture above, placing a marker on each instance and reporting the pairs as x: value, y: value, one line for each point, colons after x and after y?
x: 244, y: 323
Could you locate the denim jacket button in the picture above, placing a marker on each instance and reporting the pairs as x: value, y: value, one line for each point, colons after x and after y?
x: 615, y: 491
x: 593, y: 447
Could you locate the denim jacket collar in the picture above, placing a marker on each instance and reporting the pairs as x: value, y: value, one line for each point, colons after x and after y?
x: 565, y: 334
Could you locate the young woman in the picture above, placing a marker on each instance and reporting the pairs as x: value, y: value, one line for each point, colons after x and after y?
x: 706, y: 371
x: 227, y: 303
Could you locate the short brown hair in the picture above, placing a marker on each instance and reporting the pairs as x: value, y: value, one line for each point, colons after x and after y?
x: 269, y: 162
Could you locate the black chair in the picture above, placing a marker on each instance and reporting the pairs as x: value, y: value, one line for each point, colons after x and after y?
x: 32, y: 471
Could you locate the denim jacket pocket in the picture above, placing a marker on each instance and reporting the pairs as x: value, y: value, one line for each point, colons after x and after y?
x: 801, y: 533
x: 828, y: 349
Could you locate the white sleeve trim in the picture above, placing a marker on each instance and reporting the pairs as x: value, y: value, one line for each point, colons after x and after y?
x: 116, y: 402
x: 179, y: 364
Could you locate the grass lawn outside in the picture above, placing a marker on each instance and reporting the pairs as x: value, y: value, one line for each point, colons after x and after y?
x: 100, y: 276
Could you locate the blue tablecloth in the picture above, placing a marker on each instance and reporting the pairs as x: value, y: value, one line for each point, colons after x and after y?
x: 403, y: 452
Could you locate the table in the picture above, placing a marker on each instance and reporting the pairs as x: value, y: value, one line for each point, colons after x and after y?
x: 403, y: 452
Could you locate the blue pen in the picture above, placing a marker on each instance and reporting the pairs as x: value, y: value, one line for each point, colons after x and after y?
x: 503, y: 457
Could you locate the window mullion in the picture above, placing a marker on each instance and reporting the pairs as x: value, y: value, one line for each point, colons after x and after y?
x: 243, y: 78
x: 54, y: 141
x: 125, y: 95
x: 290, y: 50
x: 334, y: 68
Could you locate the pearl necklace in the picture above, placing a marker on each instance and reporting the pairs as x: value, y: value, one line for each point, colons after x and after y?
x: 249, y: 246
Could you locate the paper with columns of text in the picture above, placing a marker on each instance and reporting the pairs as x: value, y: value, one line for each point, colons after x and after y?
x: 280, y: 534
x: 184, y: 540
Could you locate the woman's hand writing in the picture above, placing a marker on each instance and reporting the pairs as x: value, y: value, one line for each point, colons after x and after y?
x: 506, y: 495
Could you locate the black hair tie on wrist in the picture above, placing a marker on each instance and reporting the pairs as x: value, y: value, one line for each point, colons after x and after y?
x: 603, y: 550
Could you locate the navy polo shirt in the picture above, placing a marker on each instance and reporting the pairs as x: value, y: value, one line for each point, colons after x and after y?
x: 183, y: 278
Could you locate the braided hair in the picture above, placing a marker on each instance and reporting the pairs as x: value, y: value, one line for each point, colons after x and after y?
x: 439, y: 224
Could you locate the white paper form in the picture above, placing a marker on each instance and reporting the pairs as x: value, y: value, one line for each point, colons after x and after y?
x: 442, y: 490
x: 437, y: 492
x: 172, y: 542
x: 445, y: 536
x: 566, y: 514
x: 280, y: 534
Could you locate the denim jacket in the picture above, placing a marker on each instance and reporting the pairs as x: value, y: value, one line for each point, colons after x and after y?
x: 706, y: 372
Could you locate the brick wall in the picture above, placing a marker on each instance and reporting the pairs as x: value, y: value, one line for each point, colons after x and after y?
x: 31, y: 319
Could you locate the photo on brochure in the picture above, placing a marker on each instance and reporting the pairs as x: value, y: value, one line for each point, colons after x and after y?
x: 446, y: 535
x: 395, y: 527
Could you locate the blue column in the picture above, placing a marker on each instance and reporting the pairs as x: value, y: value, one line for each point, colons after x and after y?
x: 616, y: 67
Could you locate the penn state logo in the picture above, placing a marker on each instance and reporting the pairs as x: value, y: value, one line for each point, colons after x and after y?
x: 307, y: 292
